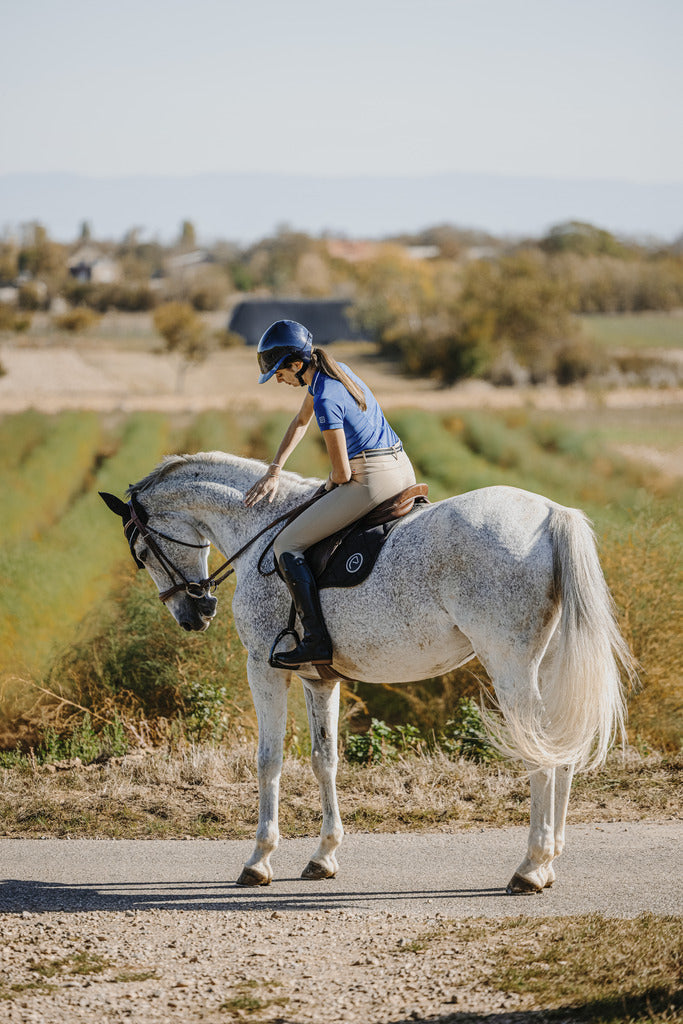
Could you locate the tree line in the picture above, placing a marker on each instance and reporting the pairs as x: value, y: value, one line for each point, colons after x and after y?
x: 445, y: 302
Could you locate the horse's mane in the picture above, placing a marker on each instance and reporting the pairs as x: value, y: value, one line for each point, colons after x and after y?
x: 173, y: 462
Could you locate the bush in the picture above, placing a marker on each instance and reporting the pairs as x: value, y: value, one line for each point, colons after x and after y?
x: 228, y: 339
x: 575, y: 361
x: 133, y: 298
x: 209, y: 290
x: 242, y: 278
x: 450, y: 326
x: 129, y: 297
x: 383, y: 743
x: 140, y: 668
x: 7, y: 317
x: 32, y: 297
x: 76, y: 320
x: 11, y: 320
x: 181, y: 329
x: 82, y: 741
x: 465, y: 735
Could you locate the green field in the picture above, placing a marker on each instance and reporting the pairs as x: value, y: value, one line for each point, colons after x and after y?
x: 635, y: 331
x: 76, y: 621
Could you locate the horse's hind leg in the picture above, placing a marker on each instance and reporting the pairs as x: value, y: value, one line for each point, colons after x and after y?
x: 534, y: 873
x: 563, y: 785
x: 322, y: 704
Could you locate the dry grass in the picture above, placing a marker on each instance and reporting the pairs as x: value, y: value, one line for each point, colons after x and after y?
x: 204, y: 792
x: 587, y: 968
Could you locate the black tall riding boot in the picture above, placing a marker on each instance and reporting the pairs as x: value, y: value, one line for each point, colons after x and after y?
x: 316, y: 646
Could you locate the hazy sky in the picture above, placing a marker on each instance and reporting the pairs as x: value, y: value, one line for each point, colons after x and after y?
x: 560, y: 88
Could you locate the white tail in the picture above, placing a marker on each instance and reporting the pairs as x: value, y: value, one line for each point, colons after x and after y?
x: 582, y: 708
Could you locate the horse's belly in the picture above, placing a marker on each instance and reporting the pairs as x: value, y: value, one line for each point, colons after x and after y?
x: 370, y: 649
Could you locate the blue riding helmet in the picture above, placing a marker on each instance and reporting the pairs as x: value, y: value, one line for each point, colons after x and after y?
x: 283, y: 339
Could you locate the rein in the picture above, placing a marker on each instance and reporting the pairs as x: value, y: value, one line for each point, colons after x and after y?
x: 203, y: 587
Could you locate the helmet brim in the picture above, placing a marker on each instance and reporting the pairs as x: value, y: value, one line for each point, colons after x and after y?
x: 268, y: 371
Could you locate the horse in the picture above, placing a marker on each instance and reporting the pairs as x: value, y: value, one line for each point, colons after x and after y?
x: 498, y: 573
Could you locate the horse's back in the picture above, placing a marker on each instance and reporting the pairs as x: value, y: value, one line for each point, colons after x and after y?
x: 487, y: 522
x: 477, y: 564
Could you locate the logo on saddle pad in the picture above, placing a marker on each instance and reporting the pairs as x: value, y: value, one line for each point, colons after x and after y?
x: 354, y: 563
x: 347, y: 558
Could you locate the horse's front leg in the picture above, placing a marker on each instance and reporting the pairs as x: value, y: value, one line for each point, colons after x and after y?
x: 269, y: 690
x: 534, y: 873
x: 322, y: 704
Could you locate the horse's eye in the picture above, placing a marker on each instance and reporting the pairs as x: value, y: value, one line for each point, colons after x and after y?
x: 143, y: 554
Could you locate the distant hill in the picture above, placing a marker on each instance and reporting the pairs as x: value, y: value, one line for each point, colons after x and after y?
x: 245, y: 207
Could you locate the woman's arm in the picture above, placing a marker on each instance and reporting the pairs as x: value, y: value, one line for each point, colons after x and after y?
x: 335, y: 442
x: 295, y: 431
x: 269, y: 482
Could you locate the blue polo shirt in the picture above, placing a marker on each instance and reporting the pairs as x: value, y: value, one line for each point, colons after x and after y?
x: 335, y: 409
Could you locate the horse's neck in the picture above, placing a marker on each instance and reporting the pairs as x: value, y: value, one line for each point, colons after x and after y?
x: 217, y: 504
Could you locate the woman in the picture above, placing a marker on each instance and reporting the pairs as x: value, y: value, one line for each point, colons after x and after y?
x: 367, y: 458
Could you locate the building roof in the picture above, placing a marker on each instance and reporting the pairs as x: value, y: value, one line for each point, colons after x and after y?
x: 326, y: 319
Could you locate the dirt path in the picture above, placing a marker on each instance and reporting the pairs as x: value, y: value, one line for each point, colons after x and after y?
x: 618, y: 868
x: 107, y: 379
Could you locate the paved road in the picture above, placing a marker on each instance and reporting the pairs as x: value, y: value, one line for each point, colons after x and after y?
x: 615, y: 868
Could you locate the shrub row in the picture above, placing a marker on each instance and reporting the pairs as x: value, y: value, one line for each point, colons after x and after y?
x: 131, y: 663
x: 54, y: 472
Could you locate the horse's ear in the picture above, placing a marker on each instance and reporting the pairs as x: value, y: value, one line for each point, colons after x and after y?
x: 117, y: 506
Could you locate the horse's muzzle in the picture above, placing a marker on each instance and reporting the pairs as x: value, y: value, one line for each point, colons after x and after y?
x: 197, y: 613
x: 207, y: 605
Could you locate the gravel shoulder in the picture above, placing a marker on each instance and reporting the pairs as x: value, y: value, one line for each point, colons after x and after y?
x: 286, y: 967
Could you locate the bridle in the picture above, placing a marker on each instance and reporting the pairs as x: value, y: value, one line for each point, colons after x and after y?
x: 138, y: 526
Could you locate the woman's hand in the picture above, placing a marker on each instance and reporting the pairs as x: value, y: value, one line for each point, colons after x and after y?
x: 265, y: 487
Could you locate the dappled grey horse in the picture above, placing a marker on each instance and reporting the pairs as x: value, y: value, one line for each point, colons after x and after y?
x: 499, y: 573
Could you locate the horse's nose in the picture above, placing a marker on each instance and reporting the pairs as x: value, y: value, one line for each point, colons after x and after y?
x: 207, y: 605
x: 186, y: 625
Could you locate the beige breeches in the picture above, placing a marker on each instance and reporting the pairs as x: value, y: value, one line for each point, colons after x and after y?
x: 374, y: 479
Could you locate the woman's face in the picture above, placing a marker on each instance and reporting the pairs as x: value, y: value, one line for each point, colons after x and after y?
x: 288, y: 375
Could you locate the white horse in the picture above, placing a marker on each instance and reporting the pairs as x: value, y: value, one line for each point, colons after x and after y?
x: 499, y: 573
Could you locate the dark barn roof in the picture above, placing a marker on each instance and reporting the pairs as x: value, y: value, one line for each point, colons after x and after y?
x: 326, y: 319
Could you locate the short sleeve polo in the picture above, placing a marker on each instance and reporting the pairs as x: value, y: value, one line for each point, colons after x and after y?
x: 335, y: 409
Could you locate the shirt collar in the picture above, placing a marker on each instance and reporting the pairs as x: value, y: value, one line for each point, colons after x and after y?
x: 311, y: 386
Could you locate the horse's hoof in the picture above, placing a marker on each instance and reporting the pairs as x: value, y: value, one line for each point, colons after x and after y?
x: 519, y: 886
x: 251, y: 877
x: 316, y: 871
